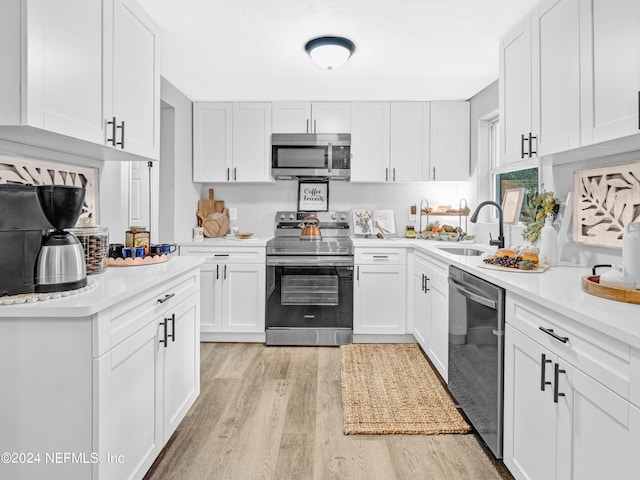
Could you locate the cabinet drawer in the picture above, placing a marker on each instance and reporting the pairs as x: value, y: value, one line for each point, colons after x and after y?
x: 603, y: 358
x: 226, y: 254
x: 385, y: 256
x: 434, y: 265
x: 123, y: 320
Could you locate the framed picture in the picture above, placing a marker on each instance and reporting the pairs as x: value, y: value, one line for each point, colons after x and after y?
x: 313, y: 196
x: 512, y: 204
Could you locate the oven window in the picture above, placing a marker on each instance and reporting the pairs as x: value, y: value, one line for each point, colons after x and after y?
x: 299, y: 157
x: 309, y: 290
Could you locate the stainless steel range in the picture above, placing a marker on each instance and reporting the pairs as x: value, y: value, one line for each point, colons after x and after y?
x: 310, y: 280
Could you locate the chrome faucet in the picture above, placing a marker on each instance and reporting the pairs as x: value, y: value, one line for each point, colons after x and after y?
x: 474, y: 218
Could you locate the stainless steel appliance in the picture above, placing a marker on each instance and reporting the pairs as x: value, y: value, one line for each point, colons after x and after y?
x: 61, y: 264
x: 309, y: 298
x: 476, y: 353
x: 311, y: 155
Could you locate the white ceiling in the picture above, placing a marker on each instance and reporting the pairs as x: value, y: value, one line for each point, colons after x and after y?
x: 405, y: 49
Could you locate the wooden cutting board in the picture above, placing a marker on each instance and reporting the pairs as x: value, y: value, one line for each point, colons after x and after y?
x: 540, y: 269
x: 206, y: 207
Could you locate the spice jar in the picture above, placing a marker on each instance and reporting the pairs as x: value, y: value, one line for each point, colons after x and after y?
x: 138, y: 237
x: 95, y: 242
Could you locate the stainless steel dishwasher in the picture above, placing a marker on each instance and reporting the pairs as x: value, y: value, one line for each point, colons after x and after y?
x: 476, y: 353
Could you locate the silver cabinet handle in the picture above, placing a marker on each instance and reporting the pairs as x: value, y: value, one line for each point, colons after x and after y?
x: 472, y: 296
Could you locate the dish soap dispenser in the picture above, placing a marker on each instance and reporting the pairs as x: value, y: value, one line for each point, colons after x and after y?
x: 631, y: 251
x: 549, y: 243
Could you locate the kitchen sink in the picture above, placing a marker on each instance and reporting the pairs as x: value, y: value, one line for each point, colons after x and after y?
x: 464, y: 251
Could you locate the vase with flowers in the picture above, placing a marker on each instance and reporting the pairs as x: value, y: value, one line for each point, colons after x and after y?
x: 535, y: 208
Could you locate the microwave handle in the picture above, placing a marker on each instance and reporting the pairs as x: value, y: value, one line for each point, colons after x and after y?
x: 329, y: 157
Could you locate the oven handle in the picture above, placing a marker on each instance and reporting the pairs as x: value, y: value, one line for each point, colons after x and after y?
x: 296, y: 260
x: 473, y: 296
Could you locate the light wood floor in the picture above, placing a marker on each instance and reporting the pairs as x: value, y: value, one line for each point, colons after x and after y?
x: 276, y: 413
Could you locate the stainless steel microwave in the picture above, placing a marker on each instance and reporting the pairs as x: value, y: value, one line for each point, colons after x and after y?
x: 310, y: 155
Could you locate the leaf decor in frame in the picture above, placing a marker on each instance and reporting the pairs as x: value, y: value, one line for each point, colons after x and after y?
x: 605, y: 200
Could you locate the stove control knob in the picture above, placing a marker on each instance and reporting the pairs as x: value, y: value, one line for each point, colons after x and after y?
x: 282, y: 217
x: 343, y: 217
x: 333, y: 216
x: 292, y: 217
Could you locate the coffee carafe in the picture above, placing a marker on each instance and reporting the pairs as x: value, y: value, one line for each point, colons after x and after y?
x: 61, y: 262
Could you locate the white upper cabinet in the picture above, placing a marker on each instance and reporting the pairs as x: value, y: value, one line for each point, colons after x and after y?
x: 370, y: 126
x: 251, y: 142
x: 212, y: 141
x: 555, y: 90
x: 610, y: 64
x: 409, y: 142
x: 311, y: 117
x: 232, y: 142
x: 570, y: 78
x: 51, y: 76
x: 449, y: 141
x: 132, y: 79
x: 515, y: 92
x: 70, y: 67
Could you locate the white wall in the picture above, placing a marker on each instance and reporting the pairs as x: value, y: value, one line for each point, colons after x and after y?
x: 257, y: 203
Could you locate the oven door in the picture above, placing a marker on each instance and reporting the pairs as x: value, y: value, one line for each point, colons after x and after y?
x: 309, y: 304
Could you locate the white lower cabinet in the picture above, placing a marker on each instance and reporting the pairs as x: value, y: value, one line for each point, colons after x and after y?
x: 233, y: 280
x: 560, y: 422
x: 379, y: 292
x: 431, y: 307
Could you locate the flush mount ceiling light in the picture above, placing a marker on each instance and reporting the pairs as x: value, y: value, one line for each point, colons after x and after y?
x: 330, y: 52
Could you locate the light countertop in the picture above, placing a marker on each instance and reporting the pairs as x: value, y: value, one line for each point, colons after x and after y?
x: 114, y: 285
x: 227, y: 241
x: 558, y: 288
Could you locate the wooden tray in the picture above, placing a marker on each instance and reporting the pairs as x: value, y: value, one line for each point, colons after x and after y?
x: 591, y: 285
x: 138, y: 262
x: 489, y: 266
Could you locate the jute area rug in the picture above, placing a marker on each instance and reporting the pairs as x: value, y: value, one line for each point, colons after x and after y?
x: 392, y: 389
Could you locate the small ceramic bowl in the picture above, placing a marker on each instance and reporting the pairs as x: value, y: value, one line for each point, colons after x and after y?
x: 244, y: 235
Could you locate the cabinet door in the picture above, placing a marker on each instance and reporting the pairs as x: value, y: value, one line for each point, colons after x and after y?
x: 64, y: 67
x: 556, y: 75
x: 132, y: 56
x: 409, y: 142
x: 211, y: 297
x: 129, y: 404
x: 379, y: 299
x: 212, y: 141
x: 529, y: 411
x: 596, y: 433
x: 449, y: 141
x: 611, y: 69
x: 438, y: 352
x: 370, y: 122
x: 330, y: 117
x: 181, y: 363
x: 515, y: 91
x: 243, y: 298
x: 291, y: 117
x: 251, y: 142
x: 422, y: 320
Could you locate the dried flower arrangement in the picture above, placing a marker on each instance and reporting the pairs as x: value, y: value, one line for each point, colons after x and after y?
x: 535, y: 208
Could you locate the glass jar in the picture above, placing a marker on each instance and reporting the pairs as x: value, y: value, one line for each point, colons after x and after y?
x: 95, y: 242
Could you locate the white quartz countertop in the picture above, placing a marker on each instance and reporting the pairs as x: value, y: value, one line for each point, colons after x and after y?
x: 227, y: 241
x: 114, y: 285
x: 558, y: 288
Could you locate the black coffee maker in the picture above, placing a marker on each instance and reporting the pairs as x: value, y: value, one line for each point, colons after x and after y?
x: 21, y: 225
x: 33, y: 258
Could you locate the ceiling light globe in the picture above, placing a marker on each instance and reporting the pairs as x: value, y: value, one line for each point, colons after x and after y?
x: 330, y: 52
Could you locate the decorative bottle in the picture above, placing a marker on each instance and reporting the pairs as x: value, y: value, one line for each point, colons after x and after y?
x: 549, y: 243
x: 631, y: 251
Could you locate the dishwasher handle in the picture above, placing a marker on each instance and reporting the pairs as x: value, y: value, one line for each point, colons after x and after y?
x: 487, y: 302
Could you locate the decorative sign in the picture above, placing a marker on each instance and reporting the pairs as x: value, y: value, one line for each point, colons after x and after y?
x: 17, y: 169
x: 605, y: 200
x: 313, y: 196
x: 511, y: 205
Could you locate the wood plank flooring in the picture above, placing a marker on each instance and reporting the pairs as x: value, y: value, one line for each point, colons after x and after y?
x: 276, y: 413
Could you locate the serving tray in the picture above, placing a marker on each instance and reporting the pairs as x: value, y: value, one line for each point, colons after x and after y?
x: 591, y: 285
x: 488, y: 266
x: 137, y: 262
